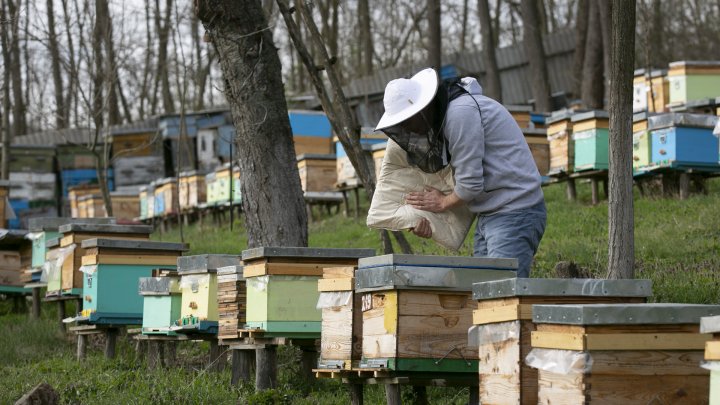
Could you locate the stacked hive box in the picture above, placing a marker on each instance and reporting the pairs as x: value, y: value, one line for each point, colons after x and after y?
x: 651, y: 91
x: 161, y: 303
x: 341, y: 337
x: 591, y: 142
x: 223, y: 185
x: 74, y: 234
x: 562, y: 151
x: 416, y: 310
x: 311, y: 132
x: 690, y: 80
x: 712, y: 355
x: 166, y: 201
x: 641, y: 141
x: 539, y: 147
x: 346, y: 176
x: 232, y: 301
x: 91, y: 206
x: 317, y: 172
x: 282, y: 289
x: 521, y: 114
x: 125, y: 205
x: 33, y: 180
x: 76, y: 192
x: 53, y: 264
x: 620, y: 353
x: 4, y: 207
x: 685, y: 140
x: 199, y: 287
x: 504, y: 324
x: 192, y: 190
x: 10, y: 268
x: 112, y: 269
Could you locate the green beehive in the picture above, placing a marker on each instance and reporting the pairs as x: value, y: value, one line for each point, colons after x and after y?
x: 46, y: 228
x: 642, y: 141
x: 590, y: 138
x: 112, y: 269
x: 161, y: 304
x: 282, y: 291
x: 693, y: 80
x: 54, y: 270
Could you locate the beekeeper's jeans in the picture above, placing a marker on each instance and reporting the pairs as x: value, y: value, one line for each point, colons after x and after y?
x: 515, y: 234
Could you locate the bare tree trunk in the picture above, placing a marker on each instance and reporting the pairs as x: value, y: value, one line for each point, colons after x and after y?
x: 272, y: 197
x: 111, y: 76
x: 492, y: 86
x: 532, y: 37
x: 72, y: 70
x: 18, y: 105
x: 6, y: 130
x: 604, y: 7
x: 581, y: 30
x: 55, y: 62
x: 162, y: 26
x: 99, y: 104
x: 434, y: 37
x: 144, y: 88
x: 463, y: 30
x: 365, y: 37
x: 592, y: 78
x: 621, y: 254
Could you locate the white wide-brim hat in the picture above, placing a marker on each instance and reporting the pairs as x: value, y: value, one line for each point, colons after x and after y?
x: 407, y: 97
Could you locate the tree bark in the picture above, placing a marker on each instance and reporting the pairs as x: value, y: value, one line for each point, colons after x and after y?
x: 592, y: 78
x: 111, y: 76
x: 434, y: 37
x: 72, y: 70
x: 365, y: 37
x: 492, y: 86
x: 581, y: 30
x: 144, y: 88
x: 162, y: 26
x: 6, y: 130
x: 272, y: 197
x: 621, y: 252
x: 604, y: 7
x: 463, y: 29
x: 18, y: 106
x: 532, y: 37
x: 55, y: 62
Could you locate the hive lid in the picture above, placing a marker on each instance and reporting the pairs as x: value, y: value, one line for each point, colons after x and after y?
x: 205, y: 263
x: 424, y: 278
x: 695, y: 63
x: 230, y: 273
x: 641, y: 116
x: 710, y: 324
x: 133, y: 244
x: 534, y: 132
x: 561, y: 287
x: 518, y: 108
x: 316, y: 156
x: 190, y: 173
x: 623, y: 314
x: 595, y: 114
x: 486, y: 263
x: 303, y: 252
x: 54, y: 223
x: 559, y: 116
x: 52, y: 243
x: 166, y: 180
x: 5, y: 183
x: 158, y: 285
x: 682, y: 120
x: 106, y: 228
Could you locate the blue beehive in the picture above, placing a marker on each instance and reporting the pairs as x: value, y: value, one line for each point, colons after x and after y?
x: 75, y: 177
x: 683, y: 140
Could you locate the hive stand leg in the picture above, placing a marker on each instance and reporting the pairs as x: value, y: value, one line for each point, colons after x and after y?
x: 474, y: 396
x: 36, y: 302
x: 345, y: 203
x: 170, y: 354
x: 356, y: 191
x: 217, y: 357
x: 605, y: 182
x: 81, y: 346
x: 61, y: 315
x: 140, y: 349
x: 153, y: 354
x: 684, y: 184
x: 242, y: 363
x: 309, y: 362
x: 570, y: 191
x: 595, y: 192
x: 266, y: 368
x: 356, y: 394
x: 420, y: 394
x: 392, y: 394
x: 110, y: 341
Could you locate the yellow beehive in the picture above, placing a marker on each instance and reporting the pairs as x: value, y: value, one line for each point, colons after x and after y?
x: 317, y: 172
x: 562, y: 151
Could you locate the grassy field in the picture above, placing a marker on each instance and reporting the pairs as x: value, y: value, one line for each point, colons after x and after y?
x: 677, y: 246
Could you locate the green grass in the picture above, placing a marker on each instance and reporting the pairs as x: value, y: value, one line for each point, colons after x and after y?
x: 677, y: 245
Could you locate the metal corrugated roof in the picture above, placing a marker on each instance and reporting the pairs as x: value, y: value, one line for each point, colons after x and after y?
x: 66, y: 136
x: 137, y: 127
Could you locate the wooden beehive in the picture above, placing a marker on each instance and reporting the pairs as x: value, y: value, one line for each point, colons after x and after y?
x: 341, y: 336
x: 161, y: 303
x: 712, y: 355
x: 620, y: 353
x: 312, y: 144
x: 282, y: 289
x: 222, y: 185
x: 192, y: 190
x: 504, y: 324
x: 10, y: 268
x: 54, y: 283
x: 521, y: 114
x: 539, y: 147
x: 166, y: 197
x: 111, y: 271
x: 4, y: 191
x: 317, y: 172
x: 75, y: 234
x: 43, y: 229
x: 562, y: 151
x: 641, y: 141
x: 74, y: 194
x: 683, y: 140
x: 416, y: 310
x: 126, y: 206
x: 693, y: 80
x: 199, y: 285
x: 232, y: 301
x: 346, y: 175
x: 591, y: 140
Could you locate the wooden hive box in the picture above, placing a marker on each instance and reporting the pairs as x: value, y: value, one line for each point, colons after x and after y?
x: 683, y: 140
x: 317, y: 172
x: 658, y: 96
x: 222, y: 186
x: 75, y: 234
x: 378, y: 155
x: 711, y: 325
x: 10, y: 268
x: 282, y: 287
x: 143, y: 194
x: 54, y: 273
x: 126, y: 206
x: 346, y: 176
x: 620, y: 353
x: 232, y: 301
x: 521, y: 114
x: 693, y: 80
x: 43, y: 229
x: 539, y: 147
x: 74, y: 194
x: 640, y: 90
x: 161, y: 304
x: 166, y: 200
x: 591, y: 140
x: 312, y: 132
x: 112, y: 269
x: 312, y: 144
x: 562, y: 150
x: 199, y: 286
x: 4, y: 192
x: 416, y: 310
x: 192, y: 190
x: 135, y: 144
x: 504, y: 324
x: 642, y: 143
x: 341, y: 336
